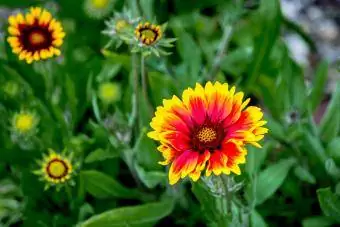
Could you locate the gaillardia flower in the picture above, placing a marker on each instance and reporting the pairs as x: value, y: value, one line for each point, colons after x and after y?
x: 206, y: 130
x: 148, y: 34
x: 149, y: 39
x: 55, y: 169
x: 35, y: 35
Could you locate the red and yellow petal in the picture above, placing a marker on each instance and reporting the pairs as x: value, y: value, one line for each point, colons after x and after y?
x: 182, y: 166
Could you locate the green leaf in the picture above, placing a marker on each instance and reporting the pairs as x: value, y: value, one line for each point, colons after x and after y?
x: 146, y: 152
x: 304, y: 174
x: 188, y: 50
x: 271, y: 178
x: 269, y: 21
x: 257, y: 220
x: 103, y: 186
x: 161, y: 86
x: 329, y: 203
x: 133, y: 216
x: 256, y: 157
x: 317, y: 221
x: 333, y: 149
x: 150, y: 178
x: 100, y: 155
x: 330, y: 122
x: 319, y: 83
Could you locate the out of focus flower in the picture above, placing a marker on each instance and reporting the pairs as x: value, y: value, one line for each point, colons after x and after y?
x: 35, y: 35
x: 25, y: 123
x: 206, y: 130
x: 55, y: 169
x: 119, y: 26
x: 109, y: 92
x: 10, y: 88
x: 98, y: 9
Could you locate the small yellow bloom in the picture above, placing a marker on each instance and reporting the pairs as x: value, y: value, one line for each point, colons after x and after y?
x: 109, y: 92
x: 98, y: 9
x: 55, y: 169
x: 24, y: 122
x: 35, y: 35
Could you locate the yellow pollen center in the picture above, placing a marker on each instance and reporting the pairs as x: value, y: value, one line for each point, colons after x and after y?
x: 24, y: 122
x: 36, y: 38
x: 120, y: 24
x: 206, y: 135
x: 100, y: 3
x: 57, y: 169
x: 149, y: 34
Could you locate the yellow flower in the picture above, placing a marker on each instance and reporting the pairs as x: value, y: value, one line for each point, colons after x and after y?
x: 207, y: 130
x: 98, y: 9
x: 24, y: 122
x: 55, y: 169
x: 109, y: 92
x: 35, y: 35
x: 148, y: 34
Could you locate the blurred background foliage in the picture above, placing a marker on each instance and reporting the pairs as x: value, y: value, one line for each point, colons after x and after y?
x: 292, y: 181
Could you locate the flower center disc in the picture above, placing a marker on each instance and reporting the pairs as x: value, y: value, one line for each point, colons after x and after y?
x: 24, y: 123
x: 207, y: 135
x: 57, y: 169
x: 120, y: 24
x: 36, y: 38
x: 100, y: 3
x: 149, y: 34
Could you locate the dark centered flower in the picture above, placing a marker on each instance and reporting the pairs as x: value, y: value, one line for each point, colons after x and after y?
x: 147, y: 33
x: 206, y: 130
x: 35, y: 35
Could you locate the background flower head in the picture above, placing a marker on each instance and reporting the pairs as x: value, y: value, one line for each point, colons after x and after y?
x: 35, y: 35
x: 55, y: 169
x: 206, y: 130
x: 109, y: 92
x: 98, y: 9
x: 25, y: 122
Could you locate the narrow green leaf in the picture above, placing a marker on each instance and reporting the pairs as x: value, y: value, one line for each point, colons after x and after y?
x: 330, y: 122
x: 133, y: 216
x: 103, y: 186
x: 319, y: 83
x: 257, y: 220
x: 317, y: 221
x: 270, y: 20
x: 329, y: 203
x: 333, y: 149
x: 256, y: 157
x: 271, y: 178
x: 100, y: 155
x: 150, y: 178
x: 304, y: 175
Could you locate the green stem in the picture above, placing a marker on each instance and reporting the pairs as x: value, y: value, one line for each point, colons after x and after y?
x: 144, y: 84
x: 135, y: 101
x: 212, y: 75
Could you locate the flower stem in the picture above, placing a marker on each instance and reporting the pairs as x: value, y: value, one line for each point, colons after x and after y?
x: 220, y: 54
x: 144, y: 84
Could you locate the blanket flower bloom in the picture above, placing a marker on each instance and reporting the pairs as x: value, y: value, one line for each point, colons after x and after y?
x: 35, y: 35
x: 206, y: 130
x: 55, y: 169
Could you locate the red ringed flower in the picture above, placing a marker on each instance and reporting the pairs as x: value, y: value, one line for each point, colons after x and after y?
x: 147, y: 33
x: 206, y: 130
x: 35, y: 35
